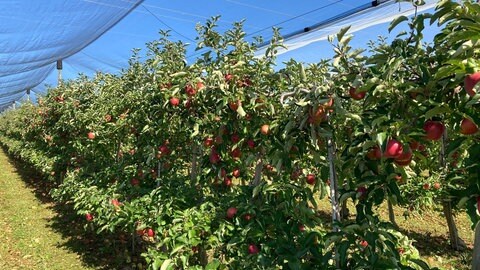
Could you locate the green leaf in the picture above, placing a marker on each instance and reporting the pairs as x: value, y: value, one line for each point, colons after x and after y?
x: 195, y: 130
x: 439, y: 110
x: 396, y: 21
x: 462, y: 202
x: 213, y: 265
x: 240, y: 111
x: 178, y: 74
x: 421, y: 263
x: 341, y: 33
x: 381, y: 137
x: 166, y: 264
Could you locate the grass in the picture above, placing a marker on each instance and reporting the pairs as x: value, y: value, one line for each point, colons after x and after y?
x: 37, y: 233
x: 27, y: 220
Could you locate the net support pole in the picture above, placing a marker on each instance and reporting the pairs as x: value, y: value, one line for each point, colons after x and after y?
x: 59, y: 72
x: 28, y: 95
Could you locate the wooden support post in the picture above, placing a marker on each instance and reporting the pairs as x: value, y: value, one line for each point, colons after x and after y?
x: 476, y: 249
x: 333, y: 185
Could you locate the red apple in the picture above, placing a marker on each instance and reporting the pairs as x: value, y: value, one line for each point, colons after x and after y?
x: 414, y: 145
x: 404, y: 159
x: 364, y: 243
x: 426, y: 186
x: 233, y: 105
x: 478, y: 204
x: 236, y: 153
x: 150, y: 232
x: 375, y: 153
x: 301, y: 227
x: 434, y: 130
x: 208, y: 142
x: 164, y: 149
x: 362, y: 192
x: 436, y: 185
x: 355, y: 95
x: 317, y: 116
x: 214, y: 157
x: 236, y: 173
x: 265, y: 129
x: 91, y: 135
x: 174, y: 101
x: 235, y: 138
x: 190, y: 90
x: 188, y: 103
x: 228, y: 77
x: 394, y: 149
x: 247, y: 217
x: 468, y: 127
x: 470, y: 81
x: 227, y: 182
x: 200, y: 85
x: 311, y: 179
x: 231, y: 212
x: 253, y: 249
x: 218, y: 140
x: 135, y: 182
x: 88, y: 217
x: 223, y: 172
x: 296, y: 174
x: 251, y: 144
x: 116, y: 203
x: 329, y: 103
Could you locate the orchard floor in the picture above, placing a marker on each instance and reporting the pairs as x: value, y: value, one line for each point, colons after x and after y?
x: 36, y: 233
x: 33, y: 232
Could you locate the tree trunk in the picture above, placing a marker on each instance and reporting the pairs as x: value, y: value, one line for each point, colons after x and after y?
x: 333, y: 185
x: 258, y: 172
x: 344, y: 213
x: 159, y: 172
x: 203, y: 256
x: 391, y: 213
x: 476, y: 249
x: 455, y: 241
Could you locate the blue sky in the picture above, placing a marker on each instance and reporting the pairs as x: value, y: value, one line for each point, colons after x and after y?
x: 111, y: 51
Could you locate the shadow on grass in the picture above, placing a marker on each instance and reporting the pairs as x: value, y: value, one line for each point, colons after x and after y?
x: 426, y: 243
x: 107, y: 251
x: 438, y: 245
